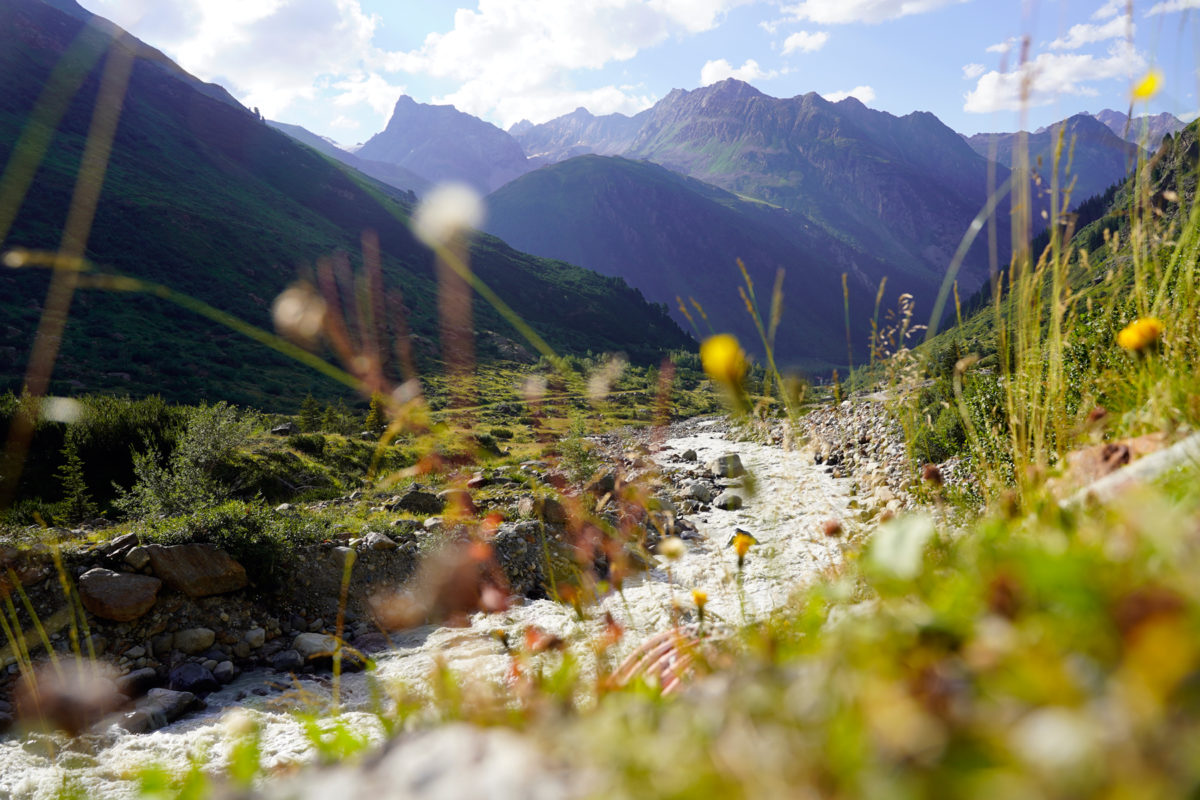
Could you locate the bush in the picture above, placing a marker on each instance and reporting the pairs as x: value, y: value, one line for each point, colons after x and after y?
x: 501, y: 434
x: 308, y: 443
x: 258, y: 538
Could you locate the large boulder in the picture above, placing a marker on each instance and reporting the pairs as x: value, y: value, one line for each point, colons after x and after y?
x: 192, y: 677
x: 117, y: 596
x: 727, y: 466
x: 197, y: 570
x: 416, y: 501
x: 192, y: 641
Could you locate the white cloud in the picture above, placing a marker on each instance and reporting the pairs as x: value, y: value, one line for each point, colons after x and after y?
x: 720, y: 69
x: 805, y: 42
x: 831, y: 12
x: 268, y: 53
x: 1087, y: 33
x: 1040, y: 81
x: 1004, y: 47
x: 1111, y: 8
x: 1170, y: 6
x: 973, y: 71
x: 511, y: 58
x: 370, y: 88
x: 864, y: 94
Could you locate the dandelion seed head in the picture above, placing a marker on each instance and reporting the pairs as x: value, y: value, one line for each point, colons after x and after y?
x: 447, y: 211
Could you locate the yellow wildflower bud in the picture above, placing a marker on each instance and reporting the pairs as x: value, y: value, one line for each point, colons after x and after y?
x: 1140, y: 334
x: 723, y: 359
x: 1148, y: 86
x: 700, y: 598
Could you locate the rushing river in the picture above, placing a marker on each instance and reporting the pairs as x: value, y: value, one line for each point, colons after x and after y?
x: 793, y: 499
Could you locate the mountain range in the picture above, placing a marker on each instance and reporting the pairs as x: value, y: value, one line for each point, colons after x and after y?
x: 1146, y: 130
x: 201, y: 195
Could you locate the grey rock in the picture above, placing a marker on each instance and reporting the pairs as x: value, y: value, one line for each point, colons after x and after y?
x: 225, y: 672
x: 285, y: 429
x: 194, y: 640
x: 688, y: 455
x: 520, y: 553
x: 191, y: 677
x: 137, y: 683
x: 287, y: 661
x: 698, y: 491
x: 255, y: 637
x: 416, y: 501
x: 729, y: 501
x: 727, y: 466
x: 314, y: 646
x: 137, y: 558
x: 378, y: 541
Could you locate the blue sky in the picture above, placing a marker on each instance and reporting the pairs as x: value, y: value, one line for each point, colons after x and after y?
x: 337, y: 66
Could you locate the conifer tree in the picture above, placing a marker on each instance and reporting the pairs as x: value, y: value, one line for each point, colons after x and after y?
x: 77, y: 502
x: 310, y: 415
x: 376, y: 419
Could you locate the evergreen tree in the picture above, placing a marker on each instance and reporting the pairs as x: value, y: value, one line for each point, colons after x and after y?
x: 376, y: 421
x: 77, y: 504
x: 310, y: 415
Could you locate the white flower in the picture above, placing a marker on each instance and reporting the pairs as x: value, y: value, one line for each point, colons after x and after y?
x: 447, y: 211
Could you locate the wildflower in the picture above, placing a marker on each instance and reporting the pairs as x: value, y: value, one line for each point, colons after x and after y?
x: 700, y: 598
x: 932, y: 475
x: 832, y: 528
x: 723, y: 359
x: 672, y: 548
x: 1140, y: 334
x: 1148, y: 86
x: 741, y: 541
x: 299, y: 313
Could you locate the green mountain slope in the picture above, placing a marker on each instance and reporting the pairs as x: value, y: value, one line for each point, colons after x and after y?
x: 903, y: 188
x: 203, y: 196
x: 672, y: 236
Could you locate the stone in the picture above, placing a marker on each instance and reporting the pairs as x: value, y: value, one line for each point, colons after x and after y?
x: 117, y: 596
x: 135, y: 652
x: 458, y: 499
x: 314, y: 646
x: 137, y: 558
x: 552, y: 512
x: 225, y: 672
x: 729, y: 501
x: 161, y: 644
x: 287, y: 661
x: 727, y: 466
x: 373, y: 642
x: 191, y: 677
x: 241, y: 650
x: 255, y: 637
x: 416, y: 501
x: 688, y: 455
x: 603, y: 483
x: 285, y: 429
x: 197, y: 570
x: 194, y: 640
x: 120, y: 545
x: 697, y: 491
x: 518, y: 550
x: 377, y: 541
x: 137, y: 683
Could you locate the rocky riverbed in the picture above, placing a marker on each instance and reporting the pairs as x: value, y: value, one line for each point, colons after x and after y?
x: 704, y: 481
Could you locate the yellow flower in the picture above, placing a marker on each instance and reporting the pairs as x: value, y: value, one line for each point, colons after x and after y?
x: 741, y: 542
x: 700, y: 598
x: 1148, y: 86
x: 723, y: 359
x: 1140, y: 334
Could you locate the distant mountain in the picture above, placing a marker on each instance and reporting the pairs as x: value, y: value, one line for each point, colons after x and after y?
x: 441, y: 143
x: 673, y: 236
x: 1097, y: 158
x: 392, y: 174
x: 578, y: 133
x: 902, y: 188
x: 201, y: 196
x: 1147, y: 129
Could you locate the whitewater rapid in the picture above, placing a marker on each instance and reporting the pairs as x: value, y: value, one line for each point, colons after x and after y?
x: 786, y: 513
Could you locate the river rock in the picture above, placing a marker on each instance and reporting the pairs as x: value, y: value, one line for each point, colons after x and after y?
x: 314, y: 646
x: 225, y: 672
x: 255, y: 637
x: 688, y: 455
x: 192, y: 677
x: 727, y: 466
x: 377, y: 541
x: 137, y: 683
x: 458, y: 499
x: 117, y: 596
x: 287, y: 661
x: 194, y: 640
x: 416, y: 501
x: 698, y: 491
x: 197, y: 570
x: 137, y: 558
x: 729, y: 501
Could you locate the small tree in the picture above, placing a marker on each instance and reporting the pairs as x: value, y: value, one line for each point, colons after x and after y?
x: 310, y: 415
x: 77, y: 503
x: 376, y: 421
